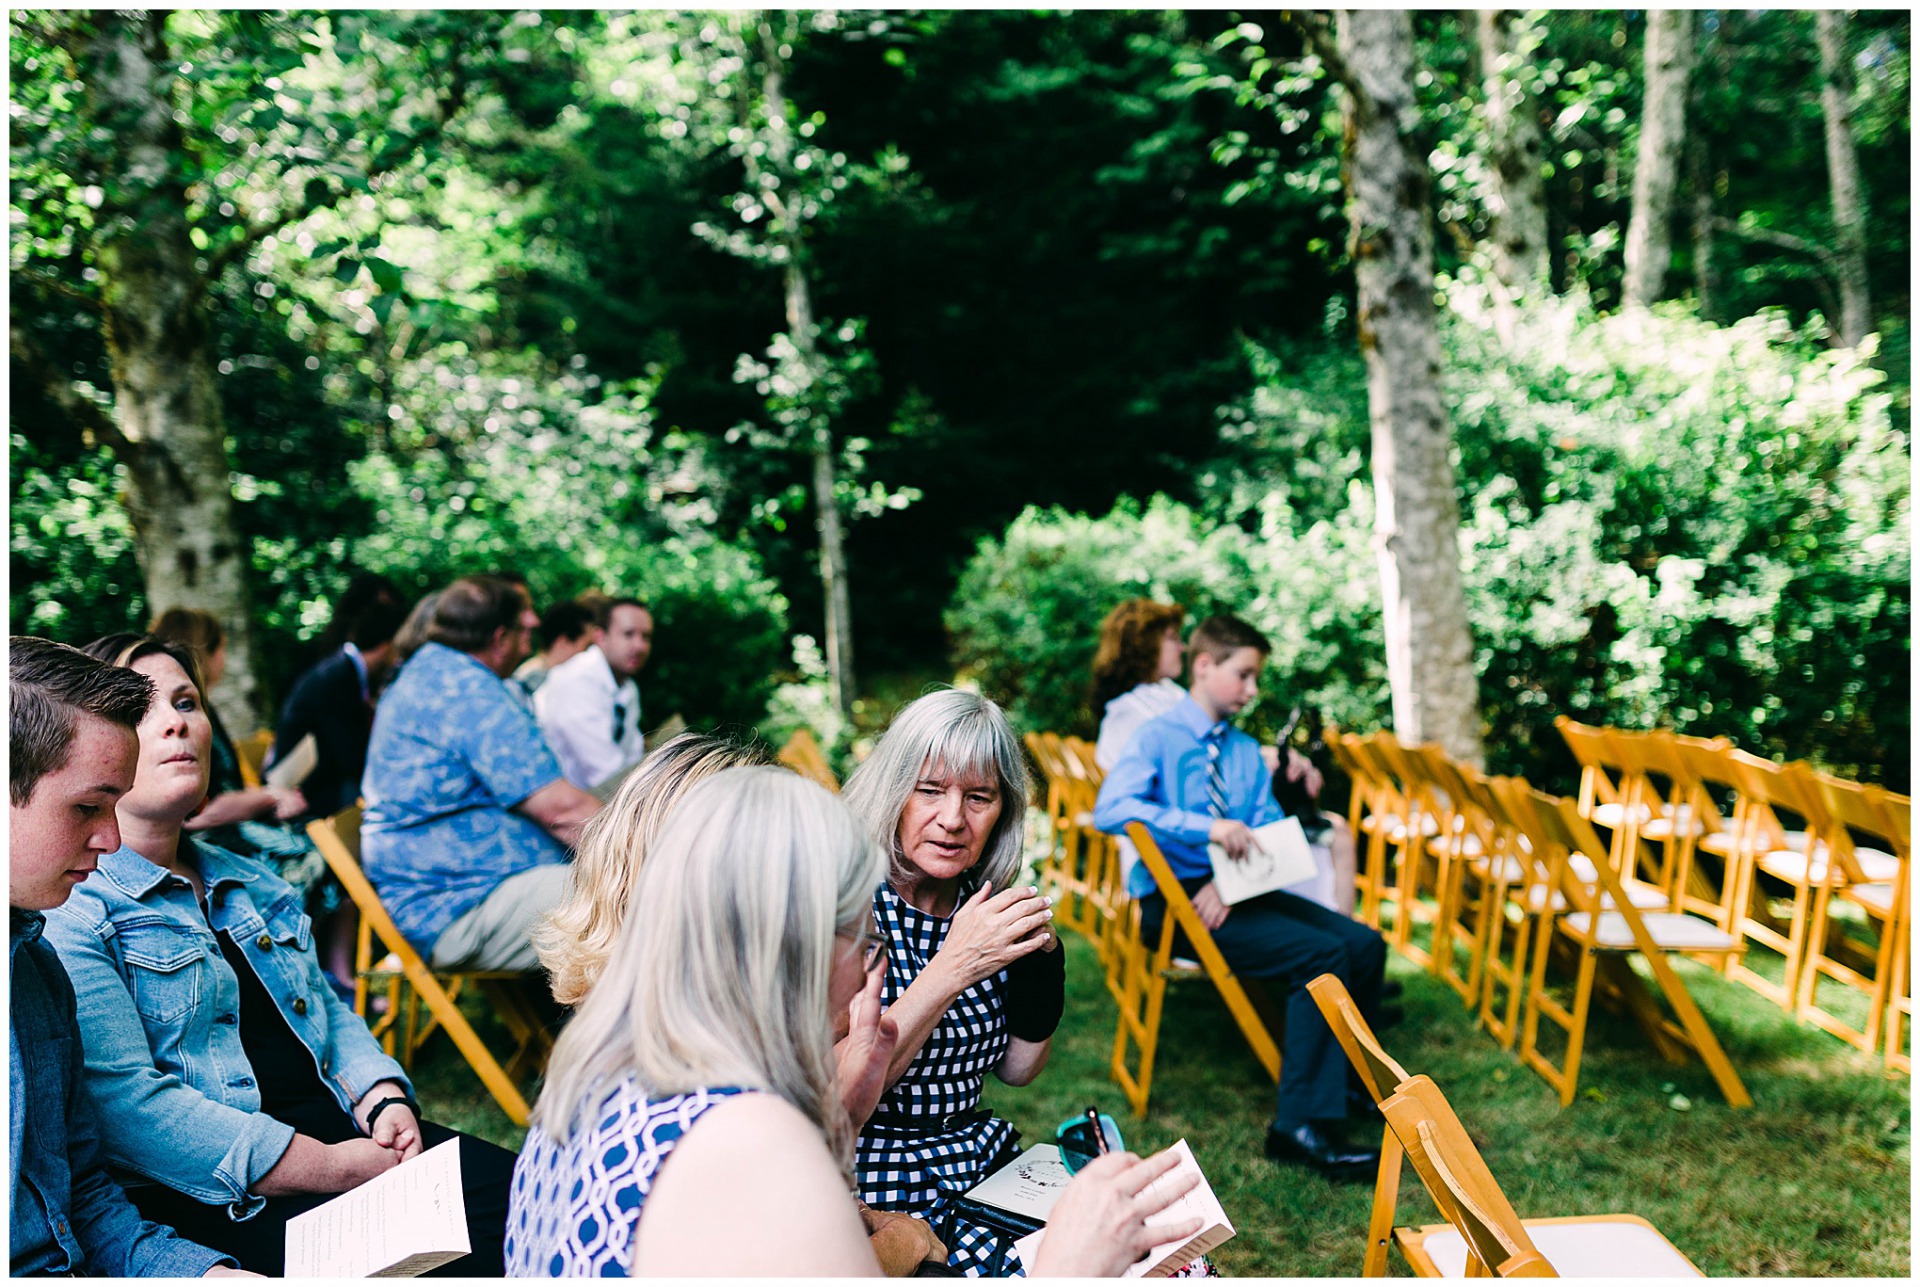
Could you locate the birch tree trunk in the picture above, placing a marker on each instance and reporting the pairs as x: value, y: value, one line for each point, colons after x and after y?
x: 170, y: 431
x: 800, y: 326
x: 1843, y: 169
x: 1517, y: 151
x: 1656, y: 170
x: 1417, y: 518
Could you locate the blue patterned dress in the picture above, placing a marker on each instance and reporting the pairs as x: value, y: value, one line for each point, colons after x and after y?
x: 575, y: 1207
x: 929, y: 1141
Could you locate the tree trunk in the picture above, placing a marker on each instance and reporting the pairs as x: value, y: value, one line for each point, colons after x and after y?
x: 1843, y: 169
x: 800, y: 326
x: 1656, y: 170
x: 1517, y: 154
x: 166, y: 402
x: 1417, y: 520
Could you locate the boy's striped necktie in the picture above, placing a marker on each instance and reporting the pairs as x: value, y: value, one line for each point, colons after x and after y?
x: 1216, y: 772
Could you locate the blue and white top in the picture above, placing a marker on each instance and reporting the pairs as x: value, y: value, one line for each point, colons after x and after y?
x: 929, y: 1141
x: 574, y: 1208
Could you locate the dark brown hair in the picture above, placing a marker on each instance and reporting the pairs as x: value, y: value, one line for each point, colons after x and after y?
x: 50, y: 684
x: 472, y: 608
x: 195, y: 628
x: 1129, y: 651
x: 1221, y: 637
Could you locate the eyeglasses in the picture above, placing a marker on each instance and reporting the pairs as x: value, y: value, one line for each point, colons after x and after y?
x: 1083, y: 1138
x: 873, y: 946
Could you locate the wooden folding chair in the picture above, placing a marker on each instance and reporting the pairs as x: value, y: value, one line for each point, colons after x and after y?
x: 1710, y: 850
x: 1465, y: 849
x: 1610, y: 798
x: 1605, y: 928
x: 1882, y: 894
x: 1483, y: 1235
x: 1798, y: 859
x: 253, y: 750
x: 1044, y: 749
x: 1394, y: 821
x: 803, y: 755
x: 338, y: 840
x: 1144, y: 976
x: 1382, y: 1076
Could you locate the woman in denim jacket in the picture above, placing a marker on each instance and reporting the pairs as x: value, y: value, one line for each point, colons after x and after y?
x: 234, y: 1089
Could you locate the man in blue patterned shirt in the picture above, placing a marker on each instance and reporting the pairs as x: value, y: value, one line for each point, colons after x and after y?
x: 468, y: 820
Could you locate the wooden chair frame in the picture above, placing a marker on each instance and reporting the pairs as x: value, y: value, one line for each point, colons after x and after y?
x: 1769, y: 788
x: 803, y: 755
x: 1395, y: 820
x: 1707, y: 769
x: 1144, y: 975
x: 252, y: 751
x: 1498, y: 1242
x: 1853, y: 807
x: 1382, y: 1076
x: 337, y: 839
x: 1556, y: 831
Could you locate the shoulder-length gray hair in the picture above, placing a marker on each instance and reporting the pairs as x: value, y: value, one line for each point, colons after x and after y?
x: 959, y: 732
x: 720, y: 975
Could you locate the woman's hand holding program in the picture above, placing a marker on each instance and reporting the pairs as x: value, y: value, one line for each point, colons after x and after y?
x: 396, y: 1128
x: 990, y: 930
x: 1099, y: 1227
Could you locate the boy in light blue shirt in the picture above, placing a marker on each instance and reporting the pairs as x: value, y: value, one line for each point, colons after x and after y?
x: 1192, y: 778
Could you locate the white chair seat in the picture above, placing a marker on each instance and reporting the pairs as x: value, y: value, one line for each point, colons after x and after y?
x: 1593, y: 1247
x: 1673, y: 931
x: 1876, y: 898
x: 1677, y: 819
x: 1508, y: 871
x: 1788, y: 864
x: 1396, y: 827
x: 1083, y: 820
x: 1612, y: 815
x: 1469, y: 845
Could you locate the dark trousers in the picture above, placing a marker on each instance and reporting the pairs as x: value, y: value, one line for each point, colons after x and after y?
x: 1286, y: 941
x: 260, y: 1242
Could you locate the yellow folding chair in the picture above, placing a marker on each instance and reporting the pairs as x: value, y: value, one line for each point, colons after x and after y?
x: 253, y: 751
x: 1395, y: 820
x: 1604, y: 928
x: 803, y: 755
x: 1046, y: 752
x: 1711, y: 850
x: 1484, y: 1236
x: 1881, y: 894
x: 1145, y: 973
x: 338, y: 840
x: 1466, y: 848
x: 1382, y: 1076
x: 1775, y: 855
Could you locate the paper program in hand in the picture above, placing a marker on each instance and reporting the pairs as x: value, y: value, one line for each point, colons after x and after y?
x: 293, y: 768
x: 1280, y: 857
x: 397, y: 1225
x: 1200, y: 1204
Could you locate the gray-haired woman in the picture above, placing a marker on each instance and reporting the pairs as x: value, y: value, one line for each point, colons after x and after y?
x: 975, y: 978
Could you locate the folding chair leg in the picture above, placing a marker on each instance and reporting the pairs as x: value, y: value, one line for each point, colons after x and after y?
x: 1705, y: 1044
x: 1386, y: 1195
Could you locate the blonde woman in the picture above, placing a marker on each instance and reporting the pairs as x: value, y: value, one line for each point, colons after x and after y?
x: 576, y: 939
x: 714, y: 1045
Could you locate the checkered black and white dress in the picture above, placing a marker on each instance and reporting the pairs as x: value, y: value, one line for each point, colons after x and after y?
x: 920, y: 1168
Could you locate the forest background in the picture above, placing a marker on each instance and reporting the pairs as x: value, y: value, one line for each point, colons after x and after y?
x: 512, y: 289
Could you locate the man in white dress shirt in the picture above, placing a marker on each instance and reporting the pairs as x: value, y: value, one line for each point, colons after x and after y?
x: 589, y: 706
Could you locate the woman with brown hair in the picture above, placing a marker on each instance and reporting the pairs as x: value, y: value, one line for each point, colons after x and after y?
x: 1136, y: 671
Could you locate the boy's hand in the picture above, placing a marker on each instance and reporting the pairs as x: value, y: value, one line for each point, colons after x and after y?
x: 1234, y: 837
x: 1213, y: 912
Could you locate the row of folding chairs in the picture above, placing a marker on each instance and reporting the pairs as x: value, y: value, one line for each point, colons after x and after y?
x: 1483, y: 1236
x: 1807, y: 864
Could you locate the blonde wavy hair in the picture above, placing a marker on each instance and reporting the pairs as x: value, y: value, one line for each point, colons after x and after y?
x: 577, y: 937
x: 721, y: 977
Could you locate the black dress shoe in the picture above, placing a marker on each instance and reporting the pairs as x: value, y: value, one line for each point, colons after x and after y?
x: 1306, y: 1146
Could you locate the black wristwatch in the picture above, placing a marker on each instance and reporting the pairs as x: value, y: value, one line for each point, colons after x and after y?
x: 381, y: 1107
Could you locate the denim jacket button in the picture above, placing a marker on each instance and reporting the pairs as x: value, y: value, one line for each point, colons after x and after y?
x: 299, y: 1005
x: 264, y: 942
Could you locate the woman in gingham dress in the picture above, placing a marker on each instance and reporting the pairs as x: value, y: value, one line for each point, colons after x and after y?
x: 975, y: 979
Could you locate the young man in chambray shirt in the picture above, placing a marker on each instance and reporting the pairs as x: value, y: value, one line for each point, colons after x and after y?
x: 73, y: 751
x: 1192, y: 778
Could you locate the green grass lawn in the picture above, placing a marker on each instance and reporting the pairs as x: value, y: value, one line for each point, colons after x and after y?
x: 1814, y: 1180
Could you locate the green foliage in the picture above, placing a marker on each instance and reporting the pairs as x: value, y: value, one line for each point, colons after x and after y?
x: 74, y: 573
x: 505, y: 462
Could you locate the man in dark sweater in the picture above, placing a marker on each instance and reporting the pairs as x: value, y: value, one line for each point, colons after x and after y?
x: 73, y: 753
x: 334, y: 702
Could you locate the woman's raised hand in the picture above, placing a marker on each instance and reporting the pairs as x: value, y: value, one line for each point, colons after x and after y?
x: 864, y: 1053
x: 1099, y: 1226
x: 990, y: 930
